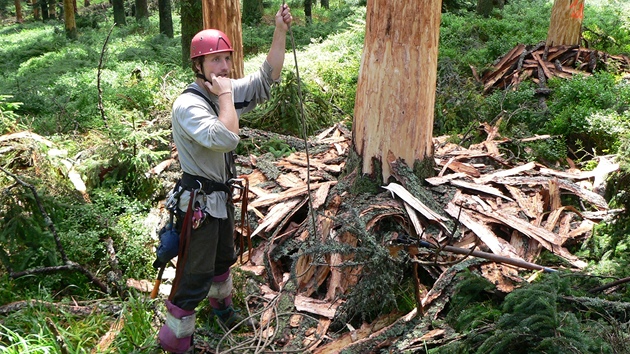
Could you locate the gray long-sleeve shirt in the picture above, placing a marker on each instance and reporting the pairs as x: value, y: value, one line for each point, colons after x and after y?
x: 202, y: 140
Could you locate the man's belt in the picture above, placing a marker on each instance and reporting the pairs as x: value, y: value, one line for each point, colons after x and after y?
x: 207, y: 185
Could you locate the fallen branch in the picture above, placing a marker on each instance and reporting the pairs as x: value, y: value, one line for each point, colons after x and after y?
x: 609, y: 285
x: 69, y: 265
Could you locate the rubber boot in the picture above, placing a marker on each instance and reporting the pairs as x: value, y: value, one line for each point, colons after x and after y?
x: 167, y: 338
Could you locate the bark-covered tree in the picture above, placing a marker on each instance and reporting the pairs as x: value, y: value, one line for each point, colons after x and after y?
x: 191, y: 23
x: 18, y: 11
x: 70, y: 24
x: 44, y: 7
x: 484, y: 7
x: 142, y: 10
x: 52, y: 8
x: 393, y: 113
x: 225, y: 15
x: 565, y: 27
x: 308, y: 11
x: 252, y: 12
x: 119, y: 12
x: 166, y: 18
x: 35, y: 5
x: 325, y: 4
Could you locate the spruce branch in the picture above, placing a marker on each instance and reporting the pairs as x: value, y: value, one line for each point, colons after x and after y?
x: 69, y: 265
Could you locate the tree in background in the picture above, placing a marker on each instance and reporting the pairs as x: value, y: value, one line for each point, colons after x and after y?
x: 119, y: 12
x: 565, y: 26
x: 18, y: 11
x: 36, y: 14
x: 484, y: 7
x: 225, y: 15
x: 395, y: 98
x: 191, y: 23
x: 308, y: 11
x: 142, y: 10
x: 166, y: 18
x: 70, y: 24
x: 252, y: 12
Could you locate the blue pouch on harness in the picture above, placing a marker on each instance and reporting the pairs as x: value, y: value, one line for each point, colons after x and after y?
x: 169, y: 245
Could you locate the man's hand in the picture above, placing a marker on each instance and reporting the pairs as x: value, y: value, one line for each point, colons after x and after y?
x: 219, y: 84
x: 284, y: 18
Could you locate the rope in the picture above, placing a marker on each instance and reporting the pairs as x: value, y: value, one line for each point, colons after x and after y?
x: 308, y: 161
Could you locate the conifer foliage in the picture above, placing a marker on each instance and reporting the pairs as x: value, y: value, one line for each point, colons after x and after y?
x: 535, y: 318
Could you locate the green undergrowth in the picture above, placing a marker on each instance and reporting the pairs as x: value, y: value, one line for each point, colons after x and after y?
x: 549, y: 315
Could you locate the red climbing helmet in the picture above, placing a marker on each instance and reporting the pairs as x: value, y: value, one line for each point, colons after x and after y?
x: 209, y: 41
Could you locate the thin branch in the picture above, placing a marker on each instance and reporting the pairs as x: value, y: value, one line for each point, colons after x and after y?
x: 98, y: 79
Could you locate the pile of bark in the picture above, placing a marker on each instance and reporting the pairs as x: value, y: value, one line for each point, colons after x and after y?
x: 539, y: 63
x: 494, y: 207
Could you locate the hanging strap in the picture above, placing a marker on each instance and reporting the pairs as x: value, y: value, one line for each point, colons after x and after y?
x: 184, y: 242
x: 229, y: 156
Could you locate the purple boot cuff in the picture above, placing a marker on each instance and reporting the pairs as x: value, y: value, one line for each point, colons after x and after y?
x: 167, y: 338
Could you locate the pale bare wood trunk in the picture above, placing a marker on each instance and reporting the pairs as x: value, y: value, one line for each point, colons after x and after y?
x: 225, y: 15
x: 565, y: 26
x: 396, y: 88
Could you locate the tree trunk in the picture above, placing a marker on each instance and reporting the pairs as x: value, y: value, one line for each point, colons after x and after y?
x: 35, y: 5
x: 18, y: 12
x: 252, y: 12
x: 308, y: 11
x: 395, y: 97
x: 142, y: 10
x: 225, y: 15
x: 44, y: 6
x: 120, y: 19
x: 52, y: 9
x: 191, y: 23
x: 565, y: 26
x: 86, y: 3
x: 166, y: 19
x: 325, y: 4
x: 484, y: 7
x: 70, y: 23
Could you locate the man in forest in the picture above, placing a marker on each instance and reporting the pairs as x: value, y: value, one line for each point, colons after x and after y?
x: 205, y: 122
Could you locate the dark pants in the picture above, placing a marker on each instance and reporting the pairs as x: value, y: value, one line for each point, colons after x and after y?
x: 210, y: 252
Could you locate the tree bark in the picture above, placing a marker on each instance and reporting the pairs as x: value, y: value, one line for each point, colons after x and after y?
x: 35, y: 5
x: 225, y: 15
x: 44, y: 7
x: 70, y: 23
x: 18, y: 12
x: 565, y: 26
x: 166, y: 19
x: 308, y: 11
x: 119, y: 12
x: 142, y: 10
x: 395, y: 97
x: 191, y: 23
x: 52, y: 9
x: 325, y: 4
